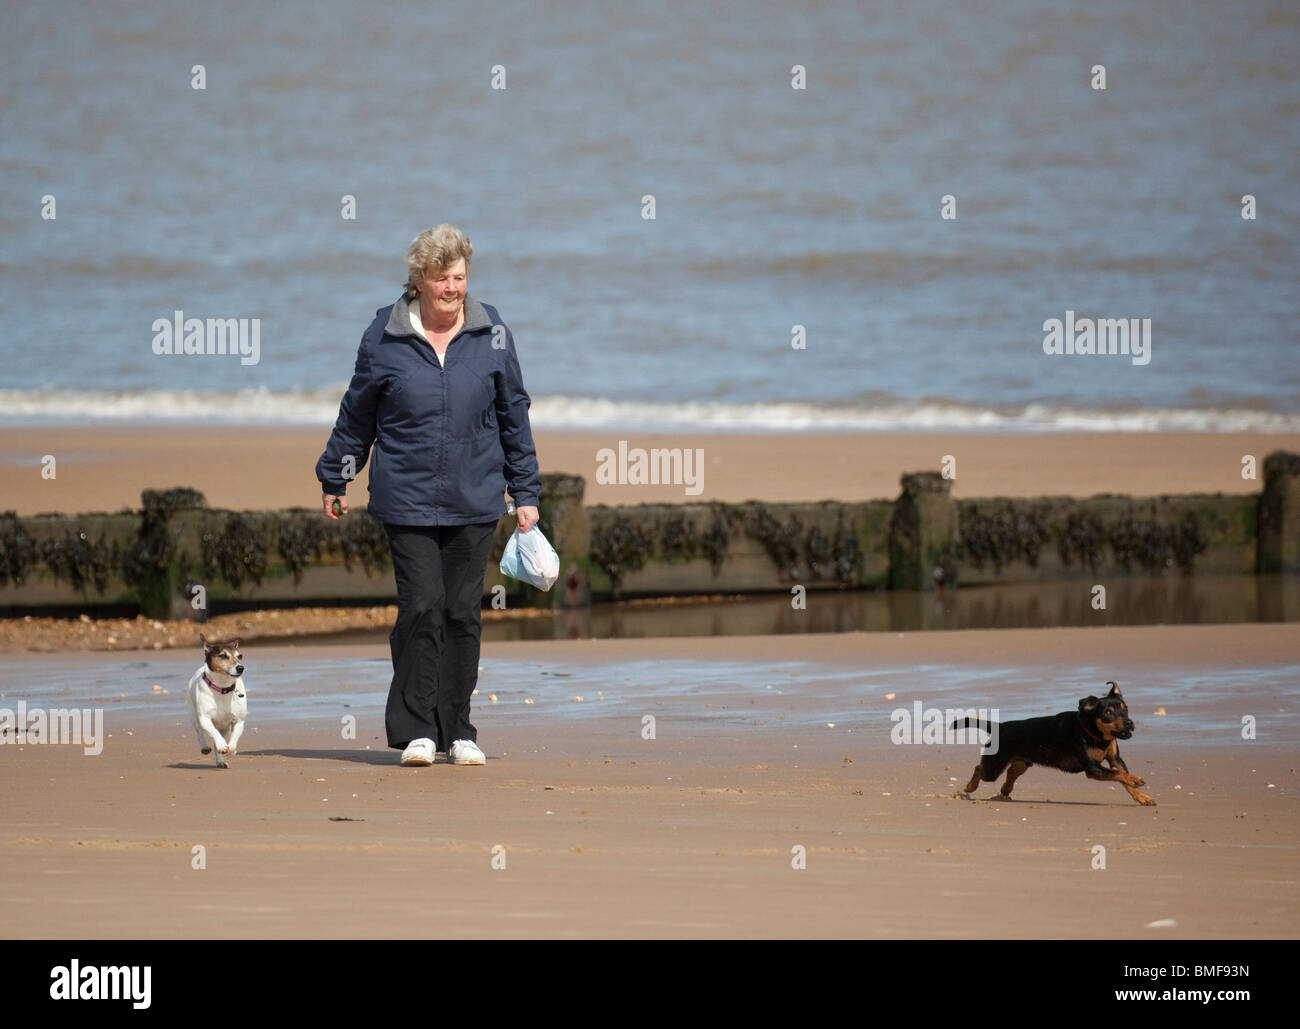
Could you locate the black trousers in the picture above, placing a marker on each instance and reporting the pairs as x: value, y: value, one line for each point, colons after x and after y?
x: 439, y: 571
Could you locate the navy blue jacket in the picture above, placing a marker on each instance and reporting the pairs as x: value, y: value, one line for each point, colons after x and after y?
x: 449, y: 439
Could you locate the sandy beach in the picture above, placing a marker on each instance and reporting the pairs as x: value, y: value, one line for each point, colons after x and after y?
x: 693, y: 833
x: 768, y: 752
x: 252, y: 468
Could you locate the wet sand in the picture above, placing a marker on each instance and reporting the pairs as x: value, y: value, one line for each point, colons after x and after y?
x: 690, y: 834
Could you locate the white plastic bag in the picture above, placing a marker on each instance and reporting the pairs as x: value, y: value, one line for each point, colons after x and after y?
x: 530, y: 558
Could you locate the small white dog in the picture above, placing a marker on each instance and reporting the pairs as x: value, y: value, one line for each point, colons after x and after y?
x: 217, y: 699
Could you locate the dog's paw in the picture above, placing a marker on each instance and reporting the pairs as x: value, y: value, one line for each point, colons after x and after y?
x: 205, y: 750
x: 1139, y: 781
x: 1142, y: 798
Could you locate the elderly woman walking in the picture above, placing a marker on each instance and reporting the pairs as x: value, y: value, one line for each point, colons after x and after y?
x: 438, y: 391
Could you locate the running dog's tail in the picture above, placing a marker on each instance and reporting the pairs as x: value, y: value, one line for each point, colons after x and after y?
x: 973, y: 723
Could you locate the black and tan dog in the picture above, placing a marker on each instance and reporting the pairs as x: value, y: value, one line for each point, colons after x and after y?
x: 1073, y: 741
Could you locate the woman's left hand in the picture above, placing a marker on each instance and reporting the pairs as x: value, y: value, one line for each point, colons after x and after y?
x: 526, y: 517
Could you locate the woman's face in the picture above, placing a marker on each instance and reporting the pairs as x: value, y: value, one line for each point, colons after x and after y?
x: 444, y: 290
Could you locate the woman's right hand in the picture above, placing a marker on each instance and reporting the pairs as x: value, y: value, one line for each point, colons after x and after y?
x: 327, y: 501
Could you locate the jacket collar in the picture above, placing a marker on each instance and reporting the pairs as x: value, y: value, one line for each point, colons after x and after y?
x: 399, y: 324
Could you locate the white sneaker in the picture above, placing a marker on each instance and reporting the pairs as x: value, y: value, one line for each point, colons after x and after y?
x: 418, y: 752
x: 465, y: 752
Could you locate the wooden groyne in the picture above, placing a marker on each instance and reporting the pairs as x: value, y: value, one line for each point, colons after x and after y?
x: 177, y: 556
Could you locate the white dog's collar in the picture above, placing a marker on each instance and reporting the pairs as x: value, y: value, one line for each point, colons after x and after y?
x: 219, y: 689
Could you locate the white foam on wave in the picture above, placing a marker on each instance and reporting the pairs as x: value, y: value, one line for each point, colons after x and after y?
x: 319, y: 407
x: 263, y: 406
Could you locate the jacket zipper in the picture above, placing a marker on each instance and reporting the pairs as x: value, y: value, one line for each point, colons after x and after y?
x: 442, y: 441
